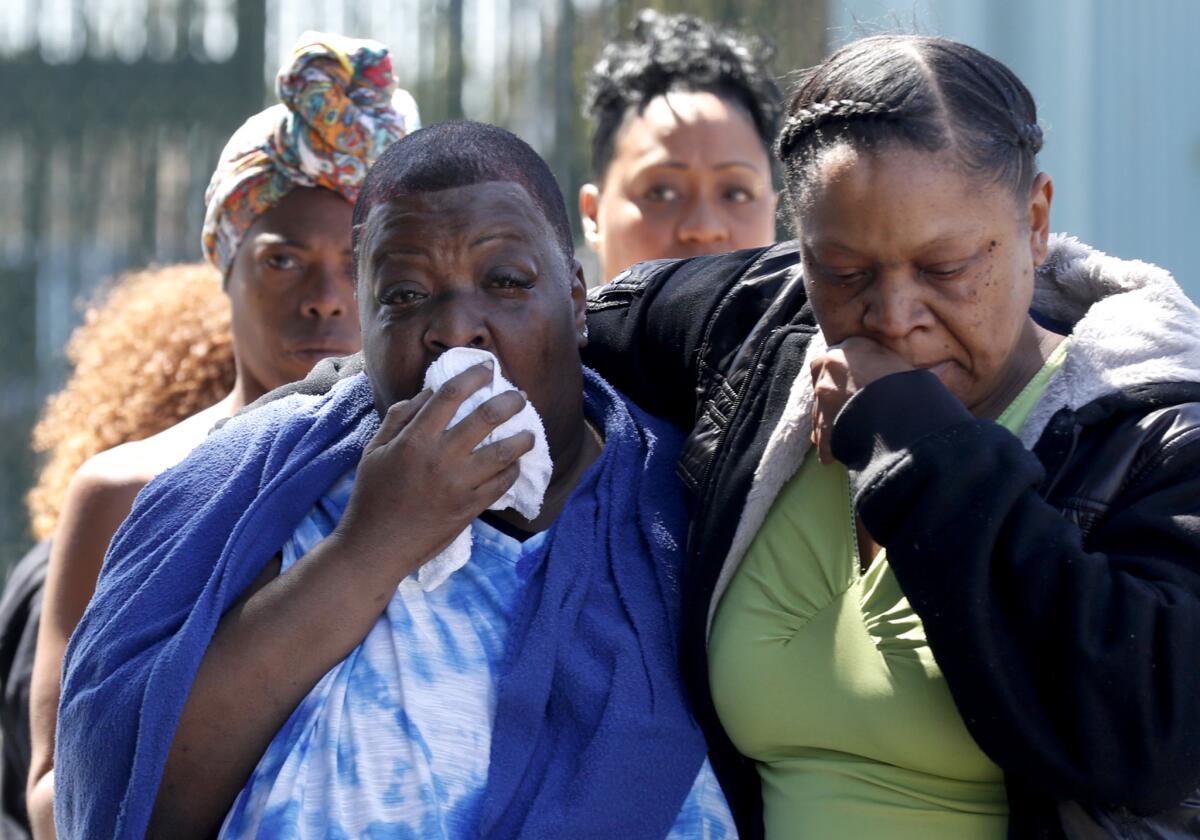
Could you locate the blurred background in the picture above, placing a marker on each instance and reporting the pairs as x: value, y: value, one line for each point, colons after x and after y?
x: 117, y: 110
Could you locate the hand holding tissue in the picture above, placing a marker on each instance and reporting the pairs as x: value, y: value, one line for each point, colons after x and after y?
x: 527, y: 493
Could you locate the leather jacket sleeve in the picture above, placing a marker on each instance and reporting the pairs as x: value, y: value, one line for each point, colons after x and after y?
x: 1072, y: 658
x: 651, y: 328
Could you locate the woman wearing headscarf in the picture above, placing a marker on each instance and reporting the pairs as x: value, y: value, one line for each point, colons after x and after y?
x: 277, y: 227
x: 944, y: 569
x: 683, y: 117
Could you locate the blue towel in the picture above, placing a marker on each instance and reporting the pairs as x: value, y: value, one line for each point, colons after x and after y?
x: 593, y: 736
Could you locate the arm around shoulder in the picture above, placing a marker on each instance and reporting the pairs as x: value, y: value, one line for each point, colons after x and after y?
x: 649, y: 326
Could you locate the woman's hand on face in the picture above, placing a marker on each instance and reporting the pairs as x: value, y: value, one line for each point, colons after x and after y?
x: 843, y: 371
x: 420, y: 484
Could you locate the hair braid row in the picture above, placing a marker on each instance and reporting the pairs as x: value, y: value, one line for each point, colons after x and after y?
x: 1029, y: 136
x: 811, y: 118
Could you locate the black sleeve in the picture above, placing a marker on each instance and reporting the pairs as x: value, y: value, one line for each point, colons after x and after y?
x: 647, y: 328
x: 1077, y: 669
x: 20, y: 615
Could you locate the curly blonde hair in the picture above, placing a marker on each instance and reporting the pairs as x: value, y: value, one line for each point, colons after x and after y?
x: 155, y: 347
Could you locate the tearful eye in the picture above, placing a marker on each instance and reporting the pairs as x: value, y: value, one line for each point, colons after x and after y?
x: 512, y: 281
x: 400, y: 297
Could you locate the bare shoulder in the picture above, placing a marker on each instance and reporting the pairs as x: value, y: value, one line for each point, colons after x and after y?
x: 136, y: 463
x: 97, y: 501
x: 102, y: 491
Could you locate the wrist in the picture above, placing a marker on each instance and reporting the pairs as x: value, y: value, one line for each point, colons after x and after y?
x: 891, y: 414
x: 381, y: 564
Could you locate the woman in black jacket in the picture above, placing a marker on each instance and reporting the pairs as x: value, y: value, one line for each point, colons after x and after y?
x: 945, y: 561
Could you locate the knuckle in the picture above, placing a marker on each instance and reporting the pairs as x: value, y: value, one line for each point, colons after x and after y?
x: 451, y: 390
x: 492, y: 413
x: 402, y: 443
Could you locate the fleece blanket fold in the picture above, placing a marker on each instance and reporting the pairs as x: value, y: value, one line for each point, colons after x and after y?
x: 592, y: 737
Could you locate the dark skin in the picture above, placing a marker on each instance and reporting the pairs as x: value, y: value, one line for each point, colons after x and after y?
x: 689, y: 175
x: 449, y: 275
x: 911, y: 263
x: 479, y: 267
x: 292, y: 300
x: 292, y: 291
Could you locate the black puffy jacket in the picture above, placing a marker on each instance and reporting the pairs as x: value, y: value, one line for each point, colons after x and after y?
x: 1067, y: 618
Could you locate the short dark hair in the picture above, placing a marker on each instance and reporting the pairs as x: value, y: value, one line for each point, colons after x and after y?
x: 678, y: 53
x: 460, y: 154
x: 927, y: 93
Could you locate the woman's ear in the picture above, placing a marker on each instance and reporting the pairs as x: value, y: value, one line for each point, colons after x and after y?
x: 1041, y: 195
x: 589, y: 207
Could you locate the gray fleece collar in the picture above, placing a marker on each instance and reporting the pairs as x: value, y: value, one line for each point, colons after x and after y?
x: 1132, y: 325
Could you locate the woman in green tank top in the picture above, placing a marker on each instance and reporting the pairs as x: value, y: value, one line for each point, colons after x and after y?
x: 922, y: 221
x: 850, y: 720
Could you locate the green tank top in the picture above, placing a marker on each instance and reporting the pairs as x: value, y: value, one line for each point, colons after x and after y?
x: 821, y: 673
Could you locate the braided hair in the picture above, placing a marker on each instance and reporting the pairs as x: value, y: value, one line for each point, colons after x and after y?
x: 927, y: 93
x: 680, y: 52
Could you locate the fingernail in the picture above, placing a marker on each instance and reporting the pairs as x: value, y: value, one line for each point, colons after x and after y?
x: 523, y: 395
x: 490, y: 364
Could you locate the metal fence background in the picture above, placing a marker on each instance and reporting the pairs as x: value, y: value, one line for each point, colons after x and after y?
x: 117, y: 109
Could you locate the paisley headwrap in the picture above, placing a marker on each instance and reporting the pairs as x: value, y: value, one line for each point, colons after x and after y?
x: 340, y: 108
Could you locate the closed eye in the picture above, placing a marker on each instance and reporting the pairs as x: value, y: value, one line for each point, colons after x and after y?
x: 845, y: 277
x: 944, y: 272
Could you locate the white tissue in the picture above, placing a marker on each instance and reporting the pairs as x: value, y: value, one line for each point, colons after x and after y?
x: 527, y: 493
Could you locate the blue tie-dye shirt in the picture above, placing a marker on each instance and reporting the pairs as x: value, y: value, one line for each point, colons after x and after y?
x: 394, y: 741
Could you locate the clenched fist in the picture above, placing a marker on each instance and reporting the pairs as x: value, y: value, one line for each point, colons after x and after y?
x: 842, y: 372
